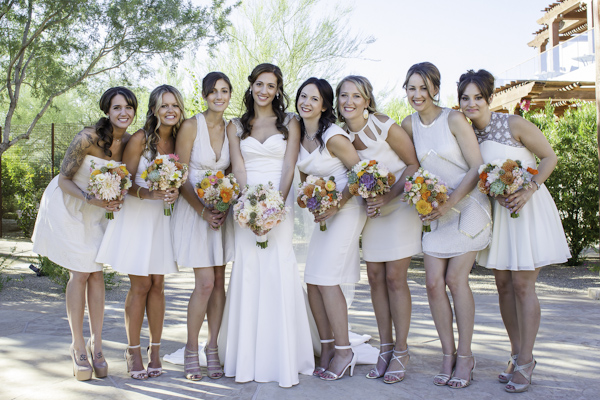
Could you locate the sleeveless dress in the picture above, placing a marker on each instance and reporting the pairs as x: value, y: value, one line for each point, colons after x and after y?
x: 333, y: 255
x: 396, y: 233
x: 68, y: 230
x: 534, y: 239
x: 265, y: 334
x: 138, y: 241
x: 195, y: 244
x: 467, y: 226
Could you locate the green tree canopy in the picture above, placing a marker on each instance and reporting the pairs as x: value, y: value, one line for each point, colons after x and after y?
x: 52, y: 46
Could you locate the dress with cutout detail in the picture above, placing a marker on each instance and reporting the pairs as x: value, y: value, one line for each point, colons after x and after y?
x: 396, y: 233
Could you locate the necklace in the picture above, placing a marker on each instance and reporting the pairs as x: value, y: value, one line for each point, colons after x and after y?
x: 311, y: 138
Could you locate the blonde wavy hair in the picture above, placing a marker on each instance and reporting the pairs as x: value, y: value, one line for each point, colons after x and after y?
x: 153, y: 122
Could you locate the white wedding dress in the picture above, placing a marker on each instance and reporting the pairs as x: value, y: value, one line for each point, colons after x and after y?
x: 265, y: 336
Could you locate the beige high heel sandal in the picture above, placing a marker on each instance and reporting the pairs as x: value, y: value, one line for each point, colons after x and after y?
x: 100, y: 367
x: 141, y: 374
x: 213, y: 367
x: 442, y: 379
x: 81, y: 372
x: 332, y: 376
x: 463, y: 383
x: 153, y: 372
x: 505, y: 377
x: 319, y: 370
x: 374, y: 372
x: 397, y: 355
x: 191, y: 367
x: 512, y: 387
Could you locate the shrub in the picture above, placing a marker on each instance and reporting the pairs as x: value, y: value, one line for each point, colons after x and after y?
x: 60, y: 275
x: 574, y: 182
x: 4, y: 263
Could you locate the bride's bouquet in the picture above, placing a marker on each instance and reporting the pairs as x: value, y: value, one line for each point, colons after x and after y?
x: 426, y: 192
x: 504, y: 177
x: 109, y: 182
x: 318, y: 195
x: 218, y: 190
x: 369, y: 179
x: 165, y: 172
x: 260, y: 208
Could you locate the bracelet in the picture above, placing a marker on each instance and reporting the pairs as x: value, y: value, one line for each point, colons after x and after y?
x: 536, y: 184
x: 202, y: 213
x: 138, y: 193
x: 86, y: 196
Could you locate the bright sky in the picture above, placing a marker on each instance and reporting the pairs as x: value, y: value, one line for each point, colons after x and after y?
x: 455, y: 35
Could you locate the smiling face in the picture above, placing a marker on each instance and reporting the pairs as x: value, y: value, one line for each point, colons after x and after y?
x: 473, y: 104
x: 264, y: 89
x: 351, y: 104
x: 120, y: 113
x: 169, y: 111
x: 417, y: 93
x: 218, y: 99
x: 310, y: 102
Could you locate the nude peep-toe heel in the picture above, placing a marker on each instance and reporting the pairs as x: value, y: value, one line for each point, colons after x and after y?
x: 141, y: 374
x: 100, y: 367
x: 81, y: 372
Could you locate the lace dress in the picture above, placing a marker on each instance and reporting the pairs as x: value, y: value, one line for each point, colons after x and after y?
x: 333, y: 254
x: 195, y: 245
x: 138, y: 240
x: 265, y: 336
x: 68, y: 230
x: 396, y: 233
x: 467, y: 226
x: 534, y: 239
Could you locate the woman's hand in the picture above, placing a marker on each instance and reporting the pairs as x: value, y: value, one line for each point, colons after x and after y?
x: 330, y: 212
x: 375, y: 203
x: 114, y: 205
x: 437, y: 212
x: 518, y: 199
x: 215, y: 218
x: 168, y: 196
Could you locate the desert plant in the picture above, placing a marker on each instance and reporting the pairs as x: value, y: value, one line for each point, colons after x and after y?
x: 574, y: 182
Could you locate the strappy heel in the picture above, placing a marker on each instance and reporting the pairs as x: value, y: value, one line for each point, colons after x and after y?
x: 141, y: 374
x: 80, y: 372
x: 442, y: 379
x: 100, y: 367
x: 512, y: 387
x: 191, y: 367
x: 397, y: 355
x: 153, y: 372
x: 505, y: 377
x: 215, y: 371
x: 463, y: 383
x: 332, y: 376
x: 374, y: 372
x: 319, y: 370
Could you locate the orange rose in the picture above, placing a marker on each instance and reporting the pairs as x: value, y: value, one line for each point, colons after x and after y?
x: 226, y: 195
x: 483, y: 176
x: 419, y: 179
x: 200, y: 192
x: 118, y: 171
x: 178, y: 165
x: 532, y: 171
x: 507, y: 178
x: 158, y: 161
x: 308, y: 190
x: 509, y: 165
x: 425, y: 195
x: 441, y: 198
x: 372, y: 162
x: 220, y: 174
x: 330, y: 196
x: 320, y: 183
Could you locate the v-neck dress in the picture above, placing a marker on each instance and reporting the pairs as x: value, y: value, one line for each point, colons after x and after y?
x: 333, y: 255
x: 138, y: 241
x: 396, y: 233
x: 195, y: 244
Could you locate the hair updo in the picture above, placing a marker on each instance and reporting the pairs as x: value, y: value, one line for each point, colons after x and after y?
x: 482, y: 79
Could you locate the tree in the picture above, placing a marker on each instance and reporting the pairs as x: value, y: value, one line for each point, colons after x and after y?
x: 53, y: 46
x: 298, y: 36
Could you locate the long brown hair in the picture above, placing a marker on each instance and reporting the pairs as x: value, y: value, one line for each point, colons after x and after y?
x: 103, y: 127
x: 280, y: 102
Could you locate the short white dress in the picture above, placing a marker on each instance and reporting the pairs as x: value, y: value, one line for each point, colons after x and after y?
x: 534, y: 239
x: 333, y: 255
x: 265, y: 336
x: 195, y: 244
x: 138, y: 241
x: 467, y: 226
x: 396, y: 233
x: 68, y: 230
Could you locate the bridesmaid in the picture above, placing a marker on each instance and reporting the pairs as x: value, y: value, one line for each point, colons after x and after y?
x: 392, y: 234
x: 333, y: 255
x: 138, y: 241
x: 446, y: 146
x: 516, y: 258
x: 197, y: 240
x: 70, y: 225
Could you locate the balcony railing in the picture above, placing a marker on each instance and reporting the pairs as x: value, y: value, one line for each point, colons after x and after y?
x: 570, y: 60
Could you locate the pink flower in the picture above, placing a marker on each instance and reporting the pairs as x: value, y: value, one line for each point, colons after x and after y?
x: 407, y: 186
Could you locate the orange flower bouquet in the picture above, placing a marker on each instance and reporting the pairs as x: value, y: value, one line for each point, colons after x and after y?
x: 318, y: 195
x: 218, y: 190
x: 426, y: 192
x: 369, y: 179
x: 165, y: 172
x: 504, y: 177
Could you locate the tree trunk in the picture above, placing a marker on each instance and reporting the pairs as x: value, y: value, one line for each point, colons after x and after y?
x: 596, y: 16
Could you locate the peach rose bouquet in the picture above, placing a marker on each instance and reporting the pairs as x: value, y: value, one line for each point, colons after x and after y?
x: 260, y: 208
x: 504, y: 177
x: 426, y: 192
x: 109, y: 182
x: 318, y: 195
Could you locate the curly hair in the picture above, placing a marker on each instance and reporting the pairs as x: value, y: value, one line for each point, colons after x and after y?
x: 103, y: 127
x: 327, y: 117
x: 153, y: 122
x: 279, y: 104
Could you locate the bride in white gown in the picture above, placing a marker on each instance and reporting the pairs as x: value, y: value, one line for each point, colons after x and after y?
x: 265, y: 334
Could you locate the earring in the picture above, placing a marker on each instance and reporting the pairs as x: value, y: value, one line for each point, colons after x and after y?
x: 366, y: 114
x: 277, y: 95
x: 250, y: 90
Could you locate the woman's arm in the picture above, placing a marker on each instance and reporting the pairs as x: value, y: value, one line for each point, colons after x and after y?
x: 235, y: 154
x: 535, y: 141
x: 290, y: 157
x: 463, y: 132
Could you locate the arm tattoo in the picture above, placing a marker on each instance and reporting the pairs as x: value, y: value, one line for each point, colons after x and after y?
x: 75, y: 154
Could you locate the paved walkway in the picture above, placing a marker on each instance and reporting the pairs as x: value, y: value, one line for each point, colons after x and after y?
x: 34, y: 361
